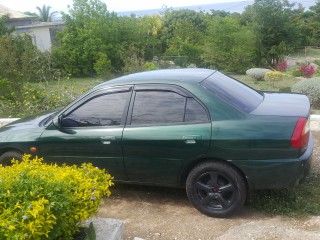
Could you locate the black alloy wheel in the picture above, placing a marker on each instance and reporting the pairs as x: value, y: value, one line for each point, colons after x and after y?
x: 216, y: 189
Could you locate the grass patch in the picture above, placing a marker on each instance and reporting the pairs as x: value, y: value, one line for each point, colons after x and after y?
x: 301, y: 201
x: 74, y: 85
x: 39, y: 97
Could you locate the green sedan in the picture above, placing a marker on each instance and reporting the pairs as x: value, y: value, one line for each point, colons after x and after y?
x: 192, y: 128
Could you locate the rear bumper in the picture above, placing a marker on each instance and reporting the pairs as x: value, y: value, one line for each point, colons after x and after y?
x: 306, y: 160
x: 277, y: 173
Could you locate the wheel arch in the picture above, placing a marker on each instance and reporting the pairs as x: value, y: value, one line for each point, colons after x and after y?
x: 187, y: 169
x: 10, y: 149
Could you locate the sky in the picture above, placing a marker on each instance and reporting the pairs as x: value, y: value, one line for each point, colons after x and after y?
x: 113, y: 5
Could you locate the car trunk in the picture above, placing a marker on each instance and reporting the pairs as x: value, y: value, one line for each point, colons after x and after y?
x: 283, y: 104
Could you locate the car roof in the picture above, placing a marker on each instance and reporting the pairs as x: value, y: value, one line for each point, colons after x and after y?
x: 172, y: 76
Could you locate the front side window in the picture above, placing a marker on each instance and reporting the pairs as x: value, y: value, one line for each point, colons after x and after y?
x: 166, y: 107
x: 102, y: 110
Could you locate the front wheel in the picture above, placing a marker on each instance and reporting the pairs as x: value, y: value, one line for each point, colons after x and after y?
x: 216, y: 189
x: 5, y: 159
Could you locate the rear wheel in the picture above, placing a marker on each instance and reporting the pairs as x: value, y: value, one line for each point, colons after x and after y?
x: 5, y: 159
x: 216, y: 189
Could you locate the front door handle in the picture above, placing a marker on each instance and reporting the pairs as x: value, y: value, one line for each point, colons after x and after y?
x: 107, y: 139
x: 191, y: 139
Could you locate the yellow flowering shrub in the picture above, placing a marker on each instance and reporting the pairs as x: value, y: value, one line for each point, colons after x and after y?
x: 274, y: 76
x: 42, y: 201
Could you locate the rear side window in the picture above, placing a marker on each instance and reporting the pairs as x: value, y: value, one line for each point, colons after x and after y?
x: 195, y: 112
x: 166, y: 107
x: 234, y: 92
x: 154, y: 107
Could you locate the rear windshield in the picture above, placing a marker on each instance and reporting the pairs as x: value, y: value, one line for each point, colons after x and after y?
x: 234, y: 92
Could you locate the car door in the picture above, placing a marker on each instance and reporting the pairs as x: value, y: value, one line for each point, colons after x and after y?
x: 91, y: 131
x: 166, y: 128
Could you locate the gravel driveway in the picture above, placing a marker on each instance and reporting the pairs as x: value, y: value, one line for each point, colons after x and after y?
x: 165, y: 213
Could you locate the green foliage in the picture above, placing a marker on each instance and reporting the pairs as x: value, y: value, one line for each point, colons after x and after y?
x: 92, y: 32
x: 133, y: 60
x: 85, y: 37
x: 296, y: 72
x: 4, y: 30
x: 41, y: 201
x: 257, y: 73
x: 228, y: 45
x: 183, y: 35
x: 35, y: 98
x: 275, y: 29
x: 18, y: 63
x: 103, y: 65
x: 150, y: 66
x: 18, y: 56
x: 311, y: 25
x: 91, y: 232
x: 311, y: 88
x: 285, y: 89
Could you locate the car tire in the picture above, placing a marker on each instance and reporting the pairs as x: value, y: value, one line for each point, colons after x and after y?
x: 5, y: 159
x: 216, y: 189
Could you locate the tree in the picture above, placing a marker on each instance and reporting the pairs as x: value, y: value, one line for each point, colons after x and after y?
x: 183, y: 35
x: 45, y: 14
x: 4, y: 30
x: 311, y: 26
x: 276, y: 32
x: 228, y: 45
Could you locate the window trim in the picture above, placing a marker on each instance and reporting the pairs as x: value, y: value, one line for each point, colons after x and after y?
x: 98, y: 93
x: 165, y: 88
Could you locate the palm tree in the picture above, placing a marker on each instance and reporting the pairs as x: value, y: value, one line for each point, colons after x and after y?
x: 44, y: 14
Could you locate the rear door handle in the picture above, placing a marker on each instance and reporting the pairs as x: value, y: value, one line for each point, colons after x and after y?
x: 191, y: 139
x: 107, y: 139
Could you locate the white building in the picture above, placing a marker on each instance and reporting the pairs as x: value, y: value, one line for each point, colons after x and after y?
x: 42, y: 33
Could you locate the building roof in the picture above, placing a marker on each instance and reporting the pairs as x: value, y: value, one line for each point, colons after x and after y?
x: 42, y: 24
x: 12, y: 13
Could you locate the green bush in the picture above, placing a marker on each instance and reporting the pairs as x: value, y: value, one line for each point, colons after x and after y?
x: 34, y: 98
x: 257, y: 73
x: 296, y: 72
x: 285, y: 89
x: 41, y: 201
x: 103, y: 65
x: 150, y: 66
x: 311, y: 88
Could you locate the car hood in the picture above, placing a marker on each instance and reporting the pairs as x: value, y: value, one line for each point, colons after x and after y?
x: 25, y: 129
x: 283, y: 104
x: 32, y: 121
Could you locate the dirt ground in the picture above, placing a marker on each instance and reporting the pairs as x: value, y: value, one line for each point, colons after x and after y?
x: 165, y: 213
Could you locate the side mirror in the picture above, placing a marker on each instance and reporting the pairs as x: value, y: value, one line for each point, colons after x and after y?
x: 56, y: 121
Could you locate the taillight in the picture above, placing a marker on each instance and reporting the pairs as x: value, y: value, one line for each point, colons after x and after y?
x: 300, y: 136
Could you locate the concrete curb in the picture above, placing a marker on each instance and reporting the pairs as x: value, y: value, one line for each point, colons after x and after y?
x: 4, y: 121
x: 315, y: 122
x: 106, y: 228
